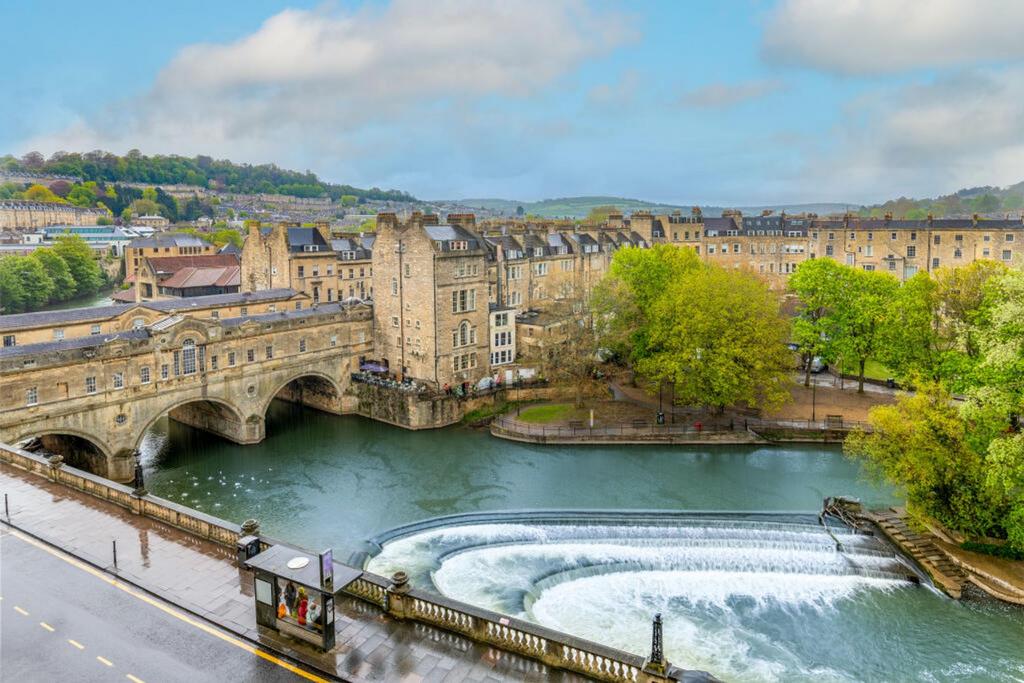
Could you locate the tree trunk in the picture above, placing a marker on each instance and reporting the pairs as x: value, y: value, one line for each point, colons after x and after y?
x: 860, y: 382
x: 807, y: 371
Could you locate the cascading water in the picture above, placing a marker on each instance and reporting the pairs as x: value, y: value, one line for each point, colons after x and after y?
x: 745, y: 597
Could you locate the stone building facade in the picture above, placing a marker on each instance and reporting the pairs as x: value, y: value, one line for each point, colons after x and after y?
x: 21, y: 215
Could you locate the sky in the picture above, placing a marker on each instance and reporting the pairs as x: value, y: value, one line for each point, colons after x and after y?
x: 736, y: 102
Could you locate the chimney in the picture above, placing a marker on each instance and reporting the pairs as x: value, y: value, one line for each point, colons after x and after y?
x: 462, y: 220
x: 386, y: 221
x: 324, y: 228
x: 974, y: 220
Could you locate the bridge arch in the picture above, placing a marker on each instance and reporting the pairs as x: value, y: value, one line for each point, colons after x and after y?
x: 209, y: 413
x: 79, y: 448
x: 311, y: 388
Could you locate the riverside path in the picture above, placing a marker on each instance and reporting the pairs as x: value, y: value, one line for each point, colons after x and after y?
x: 202, y: 579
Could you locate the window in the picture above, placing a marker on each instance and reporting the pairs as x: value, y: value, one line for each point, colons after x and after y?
x: 937, y: 239
x: 871, y: 236
x: 119, y: 380
x: 244, y: 310
x: 500, y: 319
x: 250, y: 355
x: 540, y: 268
x: 849, y: 259
x: 58, y: 334
x: 892, y: 235
x: 334, y: 340
x: 95, y: 329
x: 515, y: 272
x: 138, y: 323
x: 935, y: 263
x: 911, y: 251
x: 215, y: 315
x: 302, y: 345
x: 829, y: 251
x: 302, y: 271
x: 870, y: 250
x: 892, y: 264
x: 90, y: 385
x: 958, y: 238
x: 458, y: 245
x: 213, y: 362
x: 1007, y: 255
x: 987, y: 238
x: 32, y: 396
x: 1009, y: 237
x: 394, y: 286
x: 144, y: 375
x: 986, y: 252
x: 958, y: 253
x: 165, y: 371
x: 316, y: 271
x: 913, y: 236
x: 231, y: 359
x: 10, y: 340
x: 869, y: 266
x: 272, y: 308
x: 407, y: 270
x: 831, y: 235
x: 188, y: 357
x: 269, y: 351
x: 394, y: 321
x: 463, y: 300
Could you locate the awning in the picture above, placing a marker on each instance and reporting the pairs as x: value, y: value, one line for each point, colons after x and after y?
x: 372, y: 367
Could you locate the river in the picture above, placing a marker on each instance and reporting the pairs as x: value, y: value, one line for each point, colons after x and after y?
x: 745, y: 601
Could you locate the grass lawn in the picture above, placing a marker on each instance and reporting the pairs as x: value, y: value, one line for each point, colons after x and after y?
x: 548, y: 413
x: 872, y: 370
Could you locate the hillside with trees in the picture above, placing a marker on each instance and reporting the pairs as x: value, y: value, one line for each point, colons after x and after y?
x: 200, y: 171
x: 962, y: 203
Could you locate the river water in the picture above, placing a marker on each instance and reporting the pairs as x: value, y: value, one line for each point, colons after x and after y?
x: 745, y: 599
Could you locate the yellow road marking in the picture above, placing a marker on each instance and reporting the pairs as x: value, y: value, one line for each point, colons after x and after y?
x: 20, y: 611
x: 76, y: 644
x: 46, y: 626
x: 134, y: 679
x: 164, y: 608
x: 104, y: 660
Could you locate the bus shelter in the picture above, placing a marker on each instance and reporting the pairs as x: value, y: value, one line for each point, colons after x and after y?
x: 295, y: 592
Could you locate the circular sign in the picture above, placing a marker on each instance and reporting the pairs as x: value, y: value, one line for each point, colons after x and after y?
x: 298, y: 562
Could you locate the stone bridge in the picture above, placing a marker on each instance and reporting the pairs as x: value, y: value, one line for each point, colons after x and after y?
x: 92, y: 399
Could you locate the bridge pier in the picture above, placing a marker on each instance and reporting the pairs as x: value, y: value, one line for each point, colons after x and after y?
x: 313, y: 392
x: 220, y: 420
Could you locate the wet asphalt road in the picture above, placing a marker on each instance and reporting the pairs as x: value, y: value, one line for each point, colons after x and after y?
x: 60, y: 622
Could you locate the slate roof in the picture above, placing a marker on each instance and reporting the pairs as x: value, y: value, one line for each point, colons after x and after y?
x: 92, y: 341
x: 167, y: 266
x: 443, y: 234
x: 67, y: 316
x: 169, y: 239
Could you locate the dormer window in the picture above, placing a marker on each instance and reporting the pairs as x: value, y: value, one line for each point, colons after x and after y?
x: 348, y: 256
x: 458, y: 245
x: 311, y: 247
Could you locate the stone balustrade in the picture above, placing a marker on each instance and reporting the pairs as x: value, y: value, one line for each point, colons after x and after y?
x: 553, y: 648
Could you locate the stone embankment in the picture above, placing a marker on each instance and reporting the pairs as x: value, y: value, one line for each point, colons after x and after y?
x: 742, y: 431
x: 952, y: 569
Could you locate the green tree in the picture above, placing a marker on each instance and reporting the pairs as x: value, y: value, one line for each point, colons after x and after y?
x: 58, y: 271
x: 599, y: 214
x: 921, y: 445
x: 81, y: 262
x: 12, y: 290
x: 144, y: 207
x: 34, y: 285
x: 349, y: 200
x: 718, y: 335
x: 819, y: 285
x: 865, y: 302
x: 81, y: 195
x: 625, y: 298
x: 41, y: 193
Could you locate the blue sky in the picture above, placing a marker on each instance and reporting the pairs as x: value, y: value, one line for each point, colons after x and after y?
x: 737, y: 102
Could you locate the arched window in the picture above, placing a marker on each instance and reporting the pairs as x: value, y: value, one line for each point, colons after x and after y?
x: 188, y: 357
x: 464, y: 334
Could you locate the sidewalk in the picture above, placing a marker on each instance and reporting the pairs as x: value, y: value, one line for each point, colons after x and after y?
x: 202, y: 578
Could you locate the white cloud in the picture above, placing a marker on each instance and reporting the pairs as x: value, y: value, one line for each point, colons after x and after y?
x: 725, y: 95
x: 617, y: 93
x: 317, y: 87
x: 858, y: 37
x: 959, y: 131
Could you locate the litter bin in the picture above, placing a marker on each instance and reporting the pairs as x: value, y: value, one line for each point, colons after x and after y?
x: 248, y: 547
x: 890, y: 382
x: 661, y: 418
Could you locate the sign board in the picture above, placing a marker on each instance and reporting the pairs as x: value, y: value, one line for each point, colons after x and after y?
x: 327, y: 568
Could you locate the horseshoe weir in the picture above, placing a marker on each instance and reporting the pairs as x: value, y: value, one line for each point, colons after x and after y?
x: 752, y: 598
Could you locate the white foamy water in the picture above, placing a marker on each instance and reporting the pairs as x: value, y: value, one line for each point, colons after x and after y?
x: 744, y: 599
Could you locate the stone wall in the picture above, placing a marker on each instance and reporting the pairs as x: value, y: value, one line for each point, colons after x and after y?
x: 411, y: 411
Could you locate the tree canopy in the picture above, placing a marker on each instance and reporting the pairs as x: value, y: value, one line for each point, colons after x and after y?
x: 198, y: 171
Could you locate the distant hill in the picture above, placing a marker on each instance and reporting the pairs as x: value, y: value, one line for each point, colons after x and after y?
x: 199, y: 171
x: 984, y: 200
x: 580, y: 207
